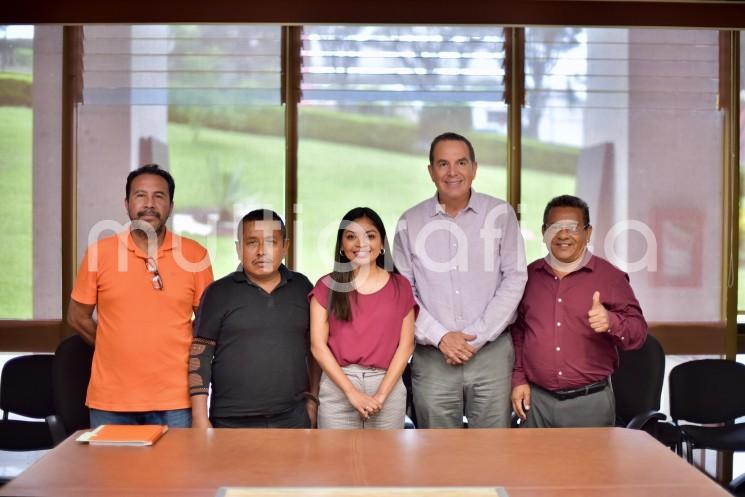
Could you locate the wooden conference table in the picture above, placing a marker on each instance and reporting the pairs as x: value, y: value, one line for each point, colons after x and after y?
x: 605, y: 462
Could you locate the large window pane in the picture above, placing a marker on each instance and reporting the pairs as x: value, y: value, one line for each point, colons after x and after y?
x: 373, y: 98
x: 628, y: 120
x: 30, y: 95
x: 202, y: 101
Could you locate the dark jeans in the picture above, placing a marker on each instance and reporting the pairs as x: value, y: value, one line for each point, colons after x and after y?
x: 176, y: 418
x: 297, y: 417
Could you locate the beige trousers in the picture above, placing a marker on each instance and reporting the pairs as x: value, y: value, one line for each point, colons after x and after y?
x: 336, y: 412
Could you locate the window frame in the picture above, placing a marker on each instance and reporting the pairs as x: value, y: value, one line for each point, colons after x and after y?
x: 686, y: 338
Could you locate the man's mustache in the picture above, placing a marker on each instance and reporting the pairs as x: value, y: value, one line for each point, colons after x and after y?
x: 148, y: 212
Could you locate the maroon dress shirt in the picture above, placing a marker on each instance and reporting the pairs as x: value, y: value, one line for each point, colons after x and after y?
x: 555, y: 347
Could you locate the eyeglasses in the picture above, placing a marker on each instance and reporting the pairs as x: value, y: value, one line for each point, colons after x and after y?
x: 572, y: 228
x: 152, y: 267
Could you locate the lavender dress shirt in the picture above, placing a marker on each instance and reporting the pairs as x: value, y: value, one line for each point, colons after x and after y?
x: 468, y: 272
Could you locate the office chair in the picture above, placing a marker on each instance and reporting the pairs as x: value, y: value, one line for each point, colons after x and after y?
x: 71, y: 374
x: 410, y: 421
x: 706, y: 392
x: 26, y: 390
x: 637, y: 384
x: 637, y: 387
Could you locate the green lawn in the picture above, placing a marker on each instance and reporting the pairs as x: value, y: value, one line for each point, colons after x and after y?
x: 20, y: 76
x: 16, y: 284
x: 252, y: 166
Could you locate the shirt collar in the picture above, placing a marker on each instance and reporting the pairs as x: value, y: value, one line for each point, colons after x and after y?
x: 588, y: 263
x: 239, y: 276
x: 473, y: 205
x: 169, y: 243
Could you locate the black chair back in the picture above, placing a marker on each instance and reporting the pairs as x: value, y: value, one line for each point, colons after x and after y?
x: 707, y: 391
x: 637, y: 382
x: 637, y: 386
x: 26, y: 386
x: 411, y: 422
x: 72, y: 371
x: 26, y: 390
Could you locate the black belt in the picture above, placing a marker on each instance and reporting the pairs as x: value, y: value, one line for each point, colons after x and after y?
x: 579, y: 392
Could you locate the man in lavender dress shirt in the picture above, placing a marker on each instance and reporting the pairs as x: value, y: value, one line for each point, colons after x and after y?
x: 577, y: 312
x: 463, y: 253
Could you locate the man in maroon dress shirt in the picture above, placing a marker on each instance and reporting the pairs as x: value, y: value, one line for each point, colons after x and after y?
x: 577, y: 311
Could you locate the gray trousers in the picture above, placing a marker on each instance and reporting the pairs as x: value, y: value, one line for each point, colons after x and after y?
x: 479, y: 389
x: 335, y: 411
x: 595, y: 410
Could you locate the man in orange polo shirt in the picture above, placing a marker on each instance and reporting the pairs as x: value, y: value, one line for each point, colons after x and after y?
x: 145, y: 284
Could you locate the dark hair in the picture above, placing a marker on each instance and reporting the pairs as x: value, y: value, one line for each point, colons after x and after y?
x: 567, y: 201
x: 151, y: 169
x: 261, y: 215
x: 339, y: 300
x: 452, y: 137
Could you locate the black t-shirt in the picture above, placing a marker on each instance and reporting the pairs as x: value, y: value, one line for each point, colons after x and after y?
x: 258, y: 345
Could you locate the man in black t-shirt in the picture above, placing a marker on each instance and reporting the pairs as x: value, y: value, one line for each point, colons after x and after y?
x: 251, y: 338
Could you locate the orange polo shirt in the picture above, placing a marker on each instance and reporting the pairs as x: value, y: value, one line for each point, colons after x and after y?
x: 143, y: 334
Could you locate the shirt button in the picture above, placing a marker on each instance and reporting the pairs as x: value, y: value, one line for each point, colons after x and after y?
x: 558, y: 349
x: 559, y: 299
x: 457, y: 292
x: 557, y: 324
x: 559, y: 373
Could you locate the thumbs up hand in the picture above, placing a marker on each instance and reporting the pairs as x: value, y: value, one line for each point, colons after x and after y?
x: 598, y: 315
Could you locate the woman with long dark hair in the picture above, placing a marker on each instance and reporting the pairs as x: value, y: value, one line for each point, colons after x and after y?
x: 362, y: 329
